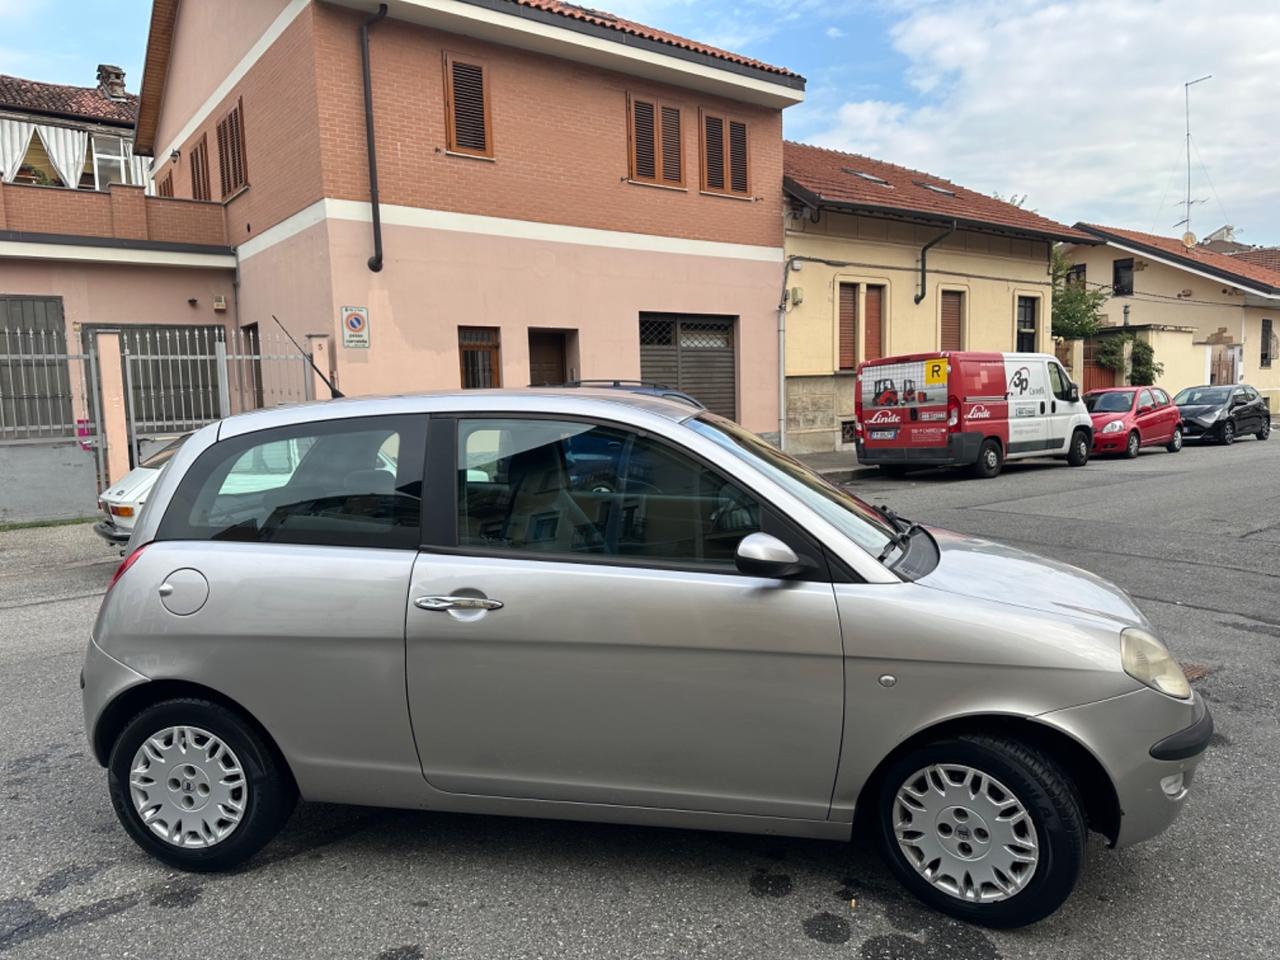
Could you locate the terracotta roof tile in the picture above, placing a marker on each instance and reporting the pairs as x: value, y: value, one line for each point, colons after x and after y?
x: 602, y: 18
x: 61, y: 100
x: 1222, y: 264
x: 860, y: 182
x: 1268, y: 257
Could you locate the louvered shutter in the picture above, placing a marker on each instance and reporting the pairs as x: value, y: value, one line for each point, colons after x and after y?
x: 468, y: 108
x: 738, y: 157
x: 952, y: 314
x: 644, y: 159
x: 873, y: 321
x: 672, y: 150
x: 713, y: 152
x: 848, y: 326
x: 224, y: 162
x: 239, y: 175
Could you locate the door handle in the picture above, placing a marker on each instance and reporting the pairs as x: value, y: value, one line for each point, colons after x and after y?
x: 1042, y: 406
x: 457, y: 603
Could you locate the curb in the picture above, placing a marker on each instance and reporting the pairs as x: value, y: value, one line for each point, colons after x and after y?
x: 849, y: 474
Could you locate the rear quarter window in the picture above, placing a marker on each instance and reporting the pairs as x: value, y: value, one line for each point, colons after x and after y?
x: 348, y: 483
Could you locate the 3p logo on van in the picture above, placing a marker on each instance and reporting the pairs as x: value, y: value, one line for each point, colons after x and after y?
x: 1020, y: 382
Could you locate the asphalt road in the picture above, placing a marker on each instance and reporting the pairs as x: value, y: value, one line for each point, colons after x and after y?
x: 1195, y: 537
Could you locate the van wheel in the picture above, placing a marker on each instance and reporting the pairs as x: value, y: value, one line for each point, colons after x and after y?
x: 983, y: 828
x: 1175, y: 443
x: 1132, y: 446
x: 990, y: 460
x: 1078, y: 455
x: 196, y: 786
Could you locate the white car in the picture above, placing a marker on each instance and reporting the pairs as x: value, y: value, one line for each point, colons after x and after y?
x: 259, y: 469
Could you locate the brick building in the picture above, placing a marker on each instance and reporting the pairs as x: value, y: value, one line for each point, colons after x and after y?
x: 563, y: 193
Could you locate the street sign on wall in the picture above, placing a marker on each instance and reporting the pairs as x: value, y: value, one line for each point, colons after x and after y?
x: 355, y: 327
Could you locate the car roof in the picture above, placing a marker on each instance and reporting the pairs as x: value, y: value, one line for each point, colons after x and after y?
x: 1115, y: 390
x: 568, y: 401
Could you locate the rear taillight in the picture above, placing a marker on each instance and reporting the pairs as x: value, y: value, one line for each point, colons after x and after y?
x: 953, y: 413
x: 125, y: 564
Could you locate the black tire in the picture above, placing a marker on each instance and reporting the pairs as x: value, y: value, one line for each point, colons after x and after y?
x: 270, y: 793
x: 1227, y: 433
x: 1266, y: 429
x: 1132, y: 445
x: 990, y: 460
x: 1046, y: 793
x: 1078, y: 452
x: 1175, y: 443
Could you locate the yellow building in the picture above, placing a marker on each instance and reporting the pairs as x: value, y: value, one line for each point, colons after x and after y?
x: 1229, y: 305
x: 883, y: 261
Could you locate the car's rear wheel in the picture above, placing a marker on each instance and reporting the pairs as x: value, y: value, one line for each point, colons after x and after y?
x: 1078, y: 452
x: 990, y: 459
x: 1132, y: 445
x: 1266, y: 429
x: 197, y: 786
x: 1227, y: 433
x: 1175, y: 442
x: 986, y: 829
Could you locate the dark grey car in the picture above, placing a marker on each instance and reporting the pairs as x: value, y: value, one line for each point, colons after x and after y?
x: 425, y: 610
x: 1223, y: 412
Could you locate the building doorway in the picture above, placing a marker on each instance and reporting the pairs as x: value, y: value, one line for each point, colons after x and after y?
x: 548, y: 357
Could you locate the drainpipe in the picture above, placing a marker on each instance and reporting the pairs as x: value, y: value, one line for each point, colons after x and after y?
x: 924, y: 253
x: 782, y: 353
x: 375, y: 262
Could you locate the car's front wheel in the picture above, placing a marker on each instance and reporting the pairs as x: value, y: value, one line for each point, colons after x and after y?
x: 1266, y: 429
x: 1175, y: 442
x: 1133, y: 444
x: 1227, y: 434
x: 984, y: 828
x: 197, y: 786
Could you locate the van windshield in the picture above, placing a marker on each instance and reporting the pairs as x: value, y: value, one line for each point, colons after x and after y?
x: 855, y: 518
x: 1108, y: 402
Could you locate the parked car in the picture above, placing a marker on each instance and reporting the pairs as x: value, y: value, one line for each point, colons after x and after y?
x: 1125, y: 419
x: 1223, y: 412
x: 123, y: 500
x: 970, y: 409
x: 730, y: 643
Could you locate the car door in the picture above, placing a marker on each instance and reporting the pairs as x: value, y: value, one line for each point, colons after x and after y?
x: 581, y: 633
x: 1149, y: 419
x: 1027, y: 387
x: 1168, y: 415
x: 1241, y: 411
x: 287, y: 555
x: 1063, y: 411
x: 1255, y: 407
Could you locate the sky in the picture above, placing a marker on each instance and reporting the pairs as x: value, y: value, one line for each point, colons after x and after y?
x: 1078, y: 106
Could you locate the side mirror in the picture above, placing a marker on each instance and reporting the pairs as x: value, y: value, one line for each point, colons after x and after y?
x: 764, y: 555
x: 1073, y: 393
x: 1145, y: 408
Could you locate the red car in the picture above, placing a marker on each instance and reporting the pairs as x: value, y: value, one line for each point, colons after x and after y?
x: 1128, y: 418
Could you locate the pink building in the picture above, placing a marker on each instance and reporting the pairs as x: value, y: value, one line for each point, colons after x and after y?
x: 563, y: 194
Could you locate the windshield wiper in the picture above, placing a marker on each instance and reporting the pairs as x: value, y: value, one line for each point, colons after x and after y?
x: 899, y: 523
x: 901, y: 539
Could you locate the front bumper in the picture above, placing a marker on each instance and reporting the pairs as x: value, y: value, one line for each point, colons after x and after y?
x: 109, y: 532
x: 1192, y: 430
x: 961, y: 450
x: 1110, y: 442
x: 1150, y: 746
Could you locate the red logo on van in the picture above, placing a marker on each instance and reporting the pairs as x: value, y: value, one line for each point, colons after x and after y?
x: 884, y: 416
x: 978, y: 412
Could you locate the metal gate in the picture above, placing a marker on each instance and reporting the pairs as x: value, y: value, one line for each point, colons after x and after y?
x: 1095, y: 376
x: 177, y: 379
x: 693, y: 354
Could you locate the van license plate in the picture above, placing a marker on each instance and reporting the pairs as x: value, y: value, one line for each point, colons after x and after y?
x: 884, y: 434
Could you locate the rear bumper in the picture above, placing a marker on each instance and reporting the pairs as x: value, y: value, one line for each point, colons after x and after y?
x: 109, y: 532
x: 961, y: 450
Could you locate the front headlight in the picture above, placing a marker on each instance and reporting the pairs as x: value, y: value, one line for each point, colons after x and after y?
x: 1115, y: 426
x: 1148, y: 661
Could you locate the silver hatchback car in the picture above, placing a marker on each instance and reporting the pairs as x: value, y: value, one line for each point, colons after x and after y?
x: 602, y: 606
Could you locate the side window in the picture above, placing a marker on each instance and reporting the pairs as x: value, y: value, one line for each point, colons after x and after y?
x: 1160, y: 396
x: 1251, y: 393
x: 345, y: 483
x: 1059, y: 383
x: 1144, y: 399
x: 561, y: 487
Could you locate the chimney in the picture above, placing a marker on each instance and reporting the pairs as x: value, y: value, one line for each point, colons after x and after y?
x: 111, y: 81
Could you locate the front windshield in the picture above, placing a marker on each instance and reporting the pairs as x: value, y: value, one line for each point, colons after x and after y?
x: 855, y: 518
x: 162, y: 456
x: 1197, y: 395
x: 1108, y: 402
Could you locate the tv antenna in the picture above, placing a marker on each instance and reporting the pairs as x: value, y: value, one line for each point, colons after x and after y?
x: 1189, y: 238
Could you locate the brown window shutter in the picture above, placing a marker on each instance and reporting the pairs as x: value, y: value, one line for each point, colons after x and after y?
x: 848, y: 326
x: 467, y: 108
x: 713, y: 152
x: 200, y: 169
x: 224, y: 161
x: 672, y: 149
x: 873, y: 321
x: 239, y: 173
x: 738, y: 181
x: 165, y: 187
x: 952, y: 314
x: 644, y: 156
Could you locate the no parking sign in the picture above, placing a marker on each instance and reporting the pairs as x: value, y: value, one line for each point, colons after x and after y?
x: 355, y: 327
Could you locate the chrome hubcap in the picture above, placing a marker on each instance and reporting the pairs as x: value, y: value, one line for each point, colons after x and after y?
x: 966, y: 833
x: 1177, y: 439
x: 991, y: 459
x: 188, y: 787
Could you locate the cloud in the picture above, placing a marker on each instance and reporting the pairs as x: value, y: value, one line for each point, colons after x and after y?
x: 1080, y: 105
x: 835, y: 33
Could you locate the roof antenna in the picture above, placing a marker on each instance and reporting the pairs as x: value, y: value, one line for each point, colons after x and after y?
x: 1189, y: 238
x: 334, y: 392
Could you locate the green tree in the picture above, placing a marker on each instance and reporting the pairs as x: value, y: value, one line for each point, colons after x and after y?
x: 1076, y: 306
x: 1144, y: 370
